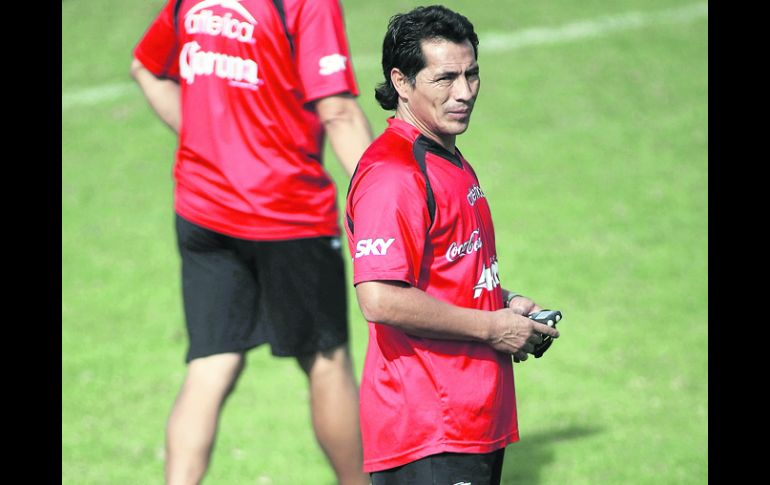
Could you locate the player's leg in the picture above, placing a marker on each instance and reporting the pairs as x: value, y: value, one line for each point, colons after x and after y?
x: 220, y: 294
x: 305, y: 292
x: 192, y: 425
x: 334, y: 412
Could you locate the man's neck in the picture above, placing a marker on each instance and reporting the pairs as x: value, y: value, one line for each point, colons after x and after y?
x: 403, y: 113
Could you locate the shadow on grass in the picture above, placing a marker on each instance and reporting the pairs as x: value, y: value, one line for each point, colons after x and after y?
x: 525, y: 459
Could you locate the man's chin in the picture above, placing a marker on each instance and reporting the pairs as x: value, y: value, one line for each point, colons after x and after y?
x: 458, y: 127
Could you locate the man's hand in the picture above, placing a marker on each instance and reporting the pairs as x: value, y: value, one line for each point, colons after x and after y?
x: 523, y: 306
x: 517, y: 334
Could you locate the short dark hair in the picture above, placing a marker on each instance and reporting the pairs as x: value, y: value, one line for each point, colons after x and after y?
x: 402, y: 46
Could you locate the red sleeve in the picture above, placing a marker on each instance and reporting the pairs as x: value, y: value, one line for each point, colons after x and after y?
x: 390, y: 218
x: 321, y: 49
x: 157, y: 50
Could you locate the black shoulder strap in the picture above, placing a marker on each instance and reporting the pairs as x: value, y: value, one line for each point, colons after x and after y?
x: 418, y: 151
x: 172, y: 55
x: 282, y: 13
x: 177, y: 6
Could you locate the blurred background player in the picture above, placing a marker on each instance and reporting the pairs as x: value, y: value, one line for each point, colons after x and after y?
x: 252, y: 87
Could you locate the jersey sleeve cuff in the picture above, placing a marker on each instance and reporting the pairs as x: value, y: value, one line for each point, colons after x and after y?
x: 383, y: 276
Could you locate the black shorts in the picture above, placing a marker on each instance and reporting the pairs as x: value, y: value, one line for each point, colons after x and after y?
x: 239, y: 294
x: 446, y: 468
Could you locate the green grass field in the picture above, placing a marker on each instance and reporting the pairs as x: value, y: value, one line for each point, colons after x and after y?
x: 590, y: 138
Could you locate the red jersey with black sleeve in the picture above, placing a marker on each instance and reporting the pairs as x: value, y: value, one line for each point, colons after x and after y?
x: 422, y: 396
x: 249, y: 159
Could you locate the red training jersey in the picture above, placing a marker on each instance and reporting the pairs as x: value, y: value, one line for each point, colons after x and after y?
x: 249, y: 159
x: 422, y: 396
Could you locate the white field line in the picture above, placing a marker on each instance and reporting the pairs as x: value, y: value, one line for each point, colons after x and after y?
x: 489, y: 42
x: 590, y: 28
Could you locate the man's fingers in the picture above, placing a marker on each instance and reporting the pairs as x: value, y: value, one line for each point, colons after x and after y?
x: 545, y: 329
x: 535, y: 338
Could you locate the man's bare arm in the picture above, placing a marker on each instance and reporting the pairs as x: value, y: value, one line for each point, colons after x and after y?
x: 162, y: 94
x: 346, y: 126
x: 419, y: 314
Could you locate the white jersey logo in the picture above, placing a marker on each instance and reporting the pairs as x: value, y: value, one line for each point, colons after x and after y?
x: 200, y: 21
x: 231, y: 4
x: 376, y: 247
x: 489, y: 278
x: 196, y: 62
x: 331, y: 64
x: 474, y: 193
x: 457, y: 251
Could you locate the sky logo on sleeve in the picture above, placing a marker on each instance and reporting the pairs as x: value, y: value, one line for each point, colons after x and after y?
x: 331, y: 64
x: 374, y: 247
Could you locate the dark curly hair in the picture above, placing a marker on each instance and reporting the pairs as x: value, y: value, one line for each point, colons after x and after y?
x: 402, y: 47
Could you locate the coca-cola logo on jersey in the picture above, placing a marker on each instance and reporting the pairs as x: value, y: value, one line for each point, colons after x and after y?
x: 472, y: 244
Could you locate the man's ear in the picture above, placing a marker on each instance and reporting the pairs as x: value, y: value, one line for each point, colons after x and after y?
x: 400, y: 83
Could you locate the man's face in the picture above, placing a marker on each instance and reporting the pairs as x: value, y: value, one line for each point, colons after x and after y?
x: 445, y: 90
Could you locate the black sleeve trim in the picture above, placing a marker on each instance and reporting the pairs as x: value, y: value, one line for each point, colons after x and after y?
x: 282, y: 13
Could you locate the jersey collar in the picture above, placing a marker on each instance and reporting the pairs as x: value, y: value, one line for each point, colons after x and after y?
x: 413, y: 134
x: 407, y: 130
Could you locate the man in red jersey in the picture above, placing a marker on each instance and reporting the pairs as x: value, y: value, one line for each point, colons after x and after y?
x: 437, y: 392
x: 251, y: 87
